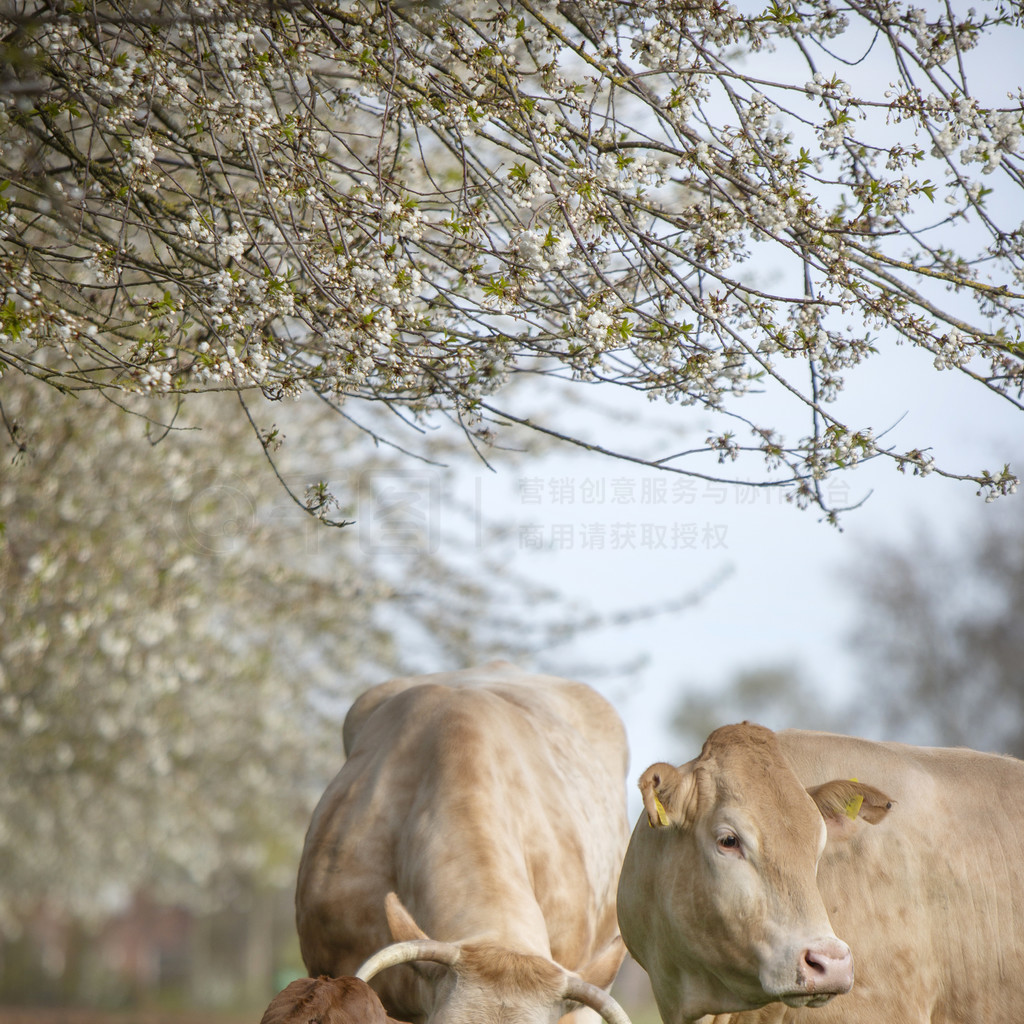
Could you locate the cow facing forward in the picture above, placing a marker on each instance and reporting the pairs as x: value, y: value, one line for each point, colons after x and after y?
x: 746, y: 858
x: 477, y: 827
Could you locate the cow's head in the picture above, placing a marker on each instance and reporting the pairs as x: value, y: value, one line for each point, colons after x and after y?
x: 327, y: 1001
x: 483, y: 983
x: 718, y: 898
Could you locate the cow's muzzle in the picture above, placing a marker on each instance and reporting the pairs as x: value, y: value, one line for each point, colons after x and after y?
x: 825, y: 969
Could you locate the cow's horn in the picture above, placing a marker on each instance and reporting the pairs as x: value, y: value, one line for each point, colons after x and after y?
x: 596, y: 998
x: 446, y: 953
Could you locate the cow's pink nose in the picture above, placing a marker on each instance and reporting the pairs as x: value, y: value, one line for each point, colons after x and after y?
x: 826, y: 966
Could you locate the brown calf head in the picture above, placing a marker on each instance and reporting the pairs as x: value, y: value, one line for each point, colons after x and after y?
x: 327, y: 1001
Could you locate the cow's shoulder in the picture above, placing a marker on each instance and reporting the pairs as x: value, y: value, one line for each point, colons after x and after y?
x: 382, y: 693
x: 367, y: 703
x: 528, y: 694
x: 567, y: 704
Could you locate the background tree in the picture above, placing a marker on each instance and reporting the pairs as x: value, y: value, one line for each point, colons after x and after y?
x: 177, y: 641
x: 779, y: 697
x: 939, y: 629
x: 411, y: 203
x: 936, y: 638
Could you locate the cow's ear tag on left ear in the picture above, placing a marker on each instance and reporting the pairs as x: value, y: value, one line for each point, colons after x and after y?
x: 853, y: 805
x: 660, y: 808
x: 658, y: 776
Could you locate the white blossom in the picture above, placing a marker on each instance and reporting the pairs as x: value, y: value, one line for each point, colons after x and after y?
x: 402, y: 206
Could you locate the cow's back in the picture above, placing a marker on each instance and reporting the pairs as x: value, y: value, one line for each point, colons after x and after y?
x: 577, y: 704
x: 490, y: 800
x: 931, y: 899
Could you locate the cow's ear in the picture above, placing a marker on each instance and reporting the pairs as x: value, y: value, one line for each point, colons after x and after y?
x: 400, y: 921
x: 668, y: 794
x: 601, y: 970
x: 843, y: 801
x: 405, y: 929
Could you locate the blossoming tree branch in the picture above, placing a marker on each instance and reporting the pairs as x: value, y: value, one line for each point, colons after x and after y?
x: 414, y: 203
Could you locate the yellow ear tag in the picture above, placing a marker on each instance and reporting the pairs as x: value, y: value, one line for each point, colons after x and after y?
x: 660, y: 808
x: 853, y: 805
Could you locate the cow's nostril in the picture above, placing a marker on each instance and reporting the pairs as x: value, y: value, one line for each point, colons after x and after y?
x: 826, y: 967
x: 814, y: 962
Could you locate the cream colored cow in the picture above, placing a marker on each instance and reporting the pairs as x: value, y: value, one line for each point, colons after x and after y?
x: 491, y: 805
x: 748, y: 857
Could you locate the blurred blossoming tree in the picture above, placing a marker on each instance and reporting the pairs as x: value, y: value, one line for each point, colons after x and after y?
x: 176, y: 640
x: 409, y: 203
x: 939, y: 622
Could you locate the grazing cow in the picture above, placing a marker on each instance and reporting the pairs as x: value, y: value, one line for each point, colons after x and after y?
x: 491, y: 805
x: 327, y: 1001
x: 747, y: 856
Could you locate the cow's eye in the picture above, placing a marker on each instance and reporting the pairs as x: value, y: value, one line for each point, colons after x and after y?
x: 728, y: 842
